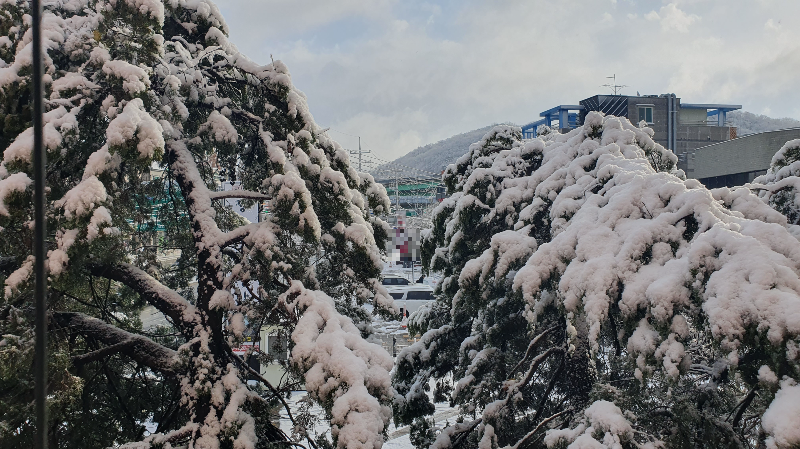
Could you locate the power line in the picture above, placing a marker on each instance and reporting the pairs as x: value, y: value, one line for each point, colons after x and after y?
x: 407, y: 167
x: 378, y: 159
x: 342, y: 132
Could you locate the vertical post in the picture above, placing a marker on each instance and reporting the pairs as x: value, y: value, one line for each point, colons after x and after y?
x: 40, y: 232
x: 669, y: 122
x: 360, y: 152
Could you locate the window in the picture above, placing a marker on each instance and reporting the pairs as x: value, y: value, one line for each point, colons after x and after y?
x: 276, y: 347
x: 419, y: 294
x: 396, y: 295
x: 394, y: 281
x: 646, y: 114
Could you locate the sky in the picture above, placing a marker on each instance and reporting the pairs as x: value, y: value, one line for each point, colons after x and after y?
x: 405, y: 73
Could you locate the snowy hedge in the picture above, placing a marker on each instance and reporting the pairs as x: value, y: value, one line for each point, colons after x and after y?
x: 590, y: 287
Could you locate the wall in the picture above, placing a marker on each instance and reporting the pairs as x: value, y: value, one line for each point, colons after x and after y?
x: 659, y: 116
x: 751, y: 153
x: 692, y: 116
x: 693, y: 137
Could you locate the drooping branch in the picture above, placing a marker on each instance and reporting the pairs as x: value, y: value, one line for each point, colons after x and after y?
x: 527, y: 438
x: 532, y: 347
x: 276, y: 394
x: 238, y: 235
x: 141, y: 349
x: 743, y: 406
x: 550, y: 385
x: 532, y: 370
x: 179, y: 310
x: 238, y: 194
x: 461, y: 430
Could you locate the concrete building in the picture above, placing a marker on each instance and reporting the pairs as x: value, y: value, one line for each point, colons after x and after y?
x: 699, y: 134
x: 738, y: 161
x: 680, y: 127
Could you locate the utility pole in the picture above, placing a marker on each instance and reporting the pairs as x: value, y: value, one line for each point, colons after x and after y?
x: 397, y: 190
x: 39, y: 232
x: 359, y: 152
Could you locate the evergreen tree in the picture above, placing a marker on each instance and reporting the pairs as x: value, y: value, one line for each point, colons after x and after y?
x: 137, y: 87
x: 779, y: 187
x: 594, y: 297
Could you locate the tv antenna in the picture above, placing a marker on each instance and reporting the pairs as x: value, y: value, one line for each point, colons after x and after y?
x: 614, y: 86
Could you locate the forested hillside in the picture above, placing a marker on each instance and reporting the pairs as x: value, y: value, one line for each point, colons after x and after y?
x: 749, y: 123
x: 435, y: 157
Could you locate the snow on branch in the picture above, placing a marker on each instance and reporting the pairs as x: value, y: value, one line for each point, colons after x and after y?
x: 238, y: 194
x: 179, y: 310
x: 599, y: 228
x: 139, y: 348
x: 342, y: 370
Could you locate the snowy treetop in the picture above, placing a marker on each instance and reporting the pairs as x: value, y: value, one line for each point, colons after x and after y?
x: 597, y: 233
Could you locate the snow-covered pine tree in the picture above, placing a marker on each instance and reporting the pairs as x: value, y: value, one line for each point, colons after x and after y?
x: 780, y: 186
x: 594, y: 297
x: 137, y: 85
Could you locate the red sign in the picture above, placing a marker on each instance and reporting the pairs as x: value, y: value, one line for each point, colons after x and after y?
x: 244, y: 347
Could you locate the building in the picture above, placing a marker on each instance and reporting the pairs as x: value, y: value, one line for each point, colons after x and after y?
x: 680, y: 127
x: 737, y: 161
x: 707, y: 146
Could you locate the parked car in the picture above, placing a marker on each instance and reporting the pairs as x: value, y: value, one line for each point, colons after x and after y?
x: 408, y: 297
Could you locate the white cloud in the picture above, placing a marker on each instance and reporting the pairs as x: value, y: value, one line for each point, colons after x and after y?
x: 771, y: 25
x: 672, y: 18
x: 384, y: 71
x: 278, y: 18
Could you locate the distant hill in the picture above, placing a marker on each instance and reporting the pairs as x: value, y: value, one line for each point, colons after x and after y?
x: 435, y: 157
x: 749, y: 123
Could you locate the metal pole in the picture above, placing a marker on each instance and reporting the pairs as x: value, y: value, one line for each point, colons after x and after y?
x: 397, y: 191
x: 359, y: 154
x: 40, y: 232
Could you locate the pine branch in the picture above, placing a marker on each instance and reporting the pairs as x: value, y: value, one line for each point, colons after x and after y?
x: 531, y: 347
x: 742, y: 406
x: 462, y: 430
x: 526, y: 438
x: 141, y: 349
x: 8, y: 264
x: 167, y: 301
x: 275, y: 392
x: 238, y: 194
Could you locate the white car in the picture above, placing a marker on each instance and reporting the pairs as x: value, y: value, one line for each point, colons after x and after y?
x: 408, y: 296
